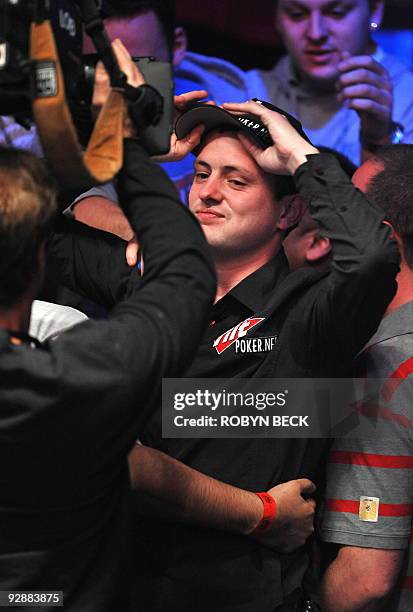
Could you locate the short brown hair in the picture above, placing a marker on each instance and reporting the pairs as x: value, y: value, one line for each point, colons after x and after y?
x: 392, y: 190
x: 27, y: 210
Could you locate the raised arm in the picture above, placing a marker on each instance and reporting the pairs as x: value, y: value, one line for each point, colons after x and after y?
x: 365, y: 261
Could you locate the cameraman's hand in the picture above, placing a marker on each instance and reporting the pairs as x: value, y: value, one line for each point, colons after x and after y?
x: 289, y: 149
x: 102, y: 87
x: 294, y: 521
x: 180, y: 148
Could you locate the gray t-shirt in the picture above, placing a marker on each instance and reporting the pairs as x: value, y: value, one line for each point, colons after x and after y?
x: 369, y: 494
x: 324, y: 119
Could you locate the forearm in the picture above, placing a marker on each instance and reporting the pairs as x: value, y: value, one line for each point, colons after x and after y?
x: 172, y: 491
x: 103, y: 214
x: 365, y: 261
x: 360, y: 579
x: 343, y: 592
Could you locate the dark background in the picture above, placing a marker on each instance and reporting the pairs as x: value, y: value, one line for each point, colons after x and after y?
x: 242, y: 31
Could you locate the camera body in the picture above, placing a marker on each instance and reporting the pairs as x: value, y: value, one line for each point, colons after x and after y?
x: 22, y: 80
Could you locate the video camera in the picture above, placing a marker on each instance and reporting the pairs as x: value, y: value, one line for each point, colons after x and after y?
x: 44, y: 77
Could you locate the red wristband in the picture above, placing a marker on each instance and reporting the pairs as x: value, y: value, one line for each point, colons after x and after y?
x: 269, y: 514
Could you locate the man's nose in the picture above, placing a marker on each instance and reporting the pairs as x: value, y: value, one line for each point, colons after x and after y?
x: 316, y: 27
x: 211, y: 190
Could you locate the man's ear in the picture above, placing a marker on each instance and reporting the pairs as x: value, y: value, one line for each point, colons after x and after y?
x: 395, y: 236
x: 180, y: 46
x: 319, y: 247
x: 293, y: 208
x: 376, y: 11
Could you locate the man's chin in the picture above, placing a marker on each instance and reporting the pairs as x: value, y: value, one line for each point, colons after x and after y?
x: 322, y: 78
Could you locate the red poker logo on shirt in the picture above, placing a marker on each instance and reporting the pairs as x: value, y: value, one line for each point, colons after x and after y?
x: 240, y: 330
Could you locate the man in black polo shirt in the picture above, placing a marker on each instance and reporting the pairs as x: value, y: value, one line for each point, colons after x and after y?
x: 318, y: 321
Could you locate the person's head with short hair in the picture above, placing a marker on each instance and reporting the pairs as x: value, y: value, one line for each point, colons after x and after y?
x: 146, y: 28
x: 304, y: 245
x: 316, y: 32
x: 27, y: 211
x: 387, y: 181
x: 243, y: 210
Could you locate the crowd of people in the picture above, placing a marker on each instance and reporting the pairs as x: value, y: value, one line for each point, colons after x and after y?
x: 284, y: 209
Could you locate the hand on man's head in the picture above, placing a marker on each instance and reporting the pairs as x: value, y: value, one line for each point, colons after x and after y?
x: 289, y: 149
x: 180, y: 147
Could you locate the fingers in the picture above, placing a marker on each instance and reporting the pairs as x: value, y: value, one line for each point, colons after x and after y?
x: 366, y: 92
x: 185, y: 145
x: 362, y: 75
x: 306, y: 486
x: 252, y: 107
x: 192, y: 139
x: 183, y: 100
x: 312, y: 503
x: 126, y: 64
x: 364, y: 78
x: 365, y: 62
x: 132, y: 250
x: 180, y: 148
x: 101, y: 87
x: 369, y: 107
x: 252, y: 148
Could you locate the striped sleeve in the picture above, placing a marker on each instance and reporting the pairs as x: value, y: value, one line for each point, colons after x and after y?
x: 369, y: 495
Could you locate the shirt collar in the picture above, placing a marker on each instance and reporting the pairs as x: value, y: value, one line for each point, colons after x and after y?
x: 255, y: 290
x: 396, y: 323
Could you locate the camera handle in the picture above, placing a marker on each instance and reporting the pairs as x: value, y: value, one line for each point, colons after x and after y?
x: 145, y: 102
x: 93, y: 24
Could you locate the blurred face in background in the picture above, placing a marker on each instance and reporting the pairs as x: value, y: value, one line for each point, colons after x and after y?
x: 143, y: 35
x: 316, y: 32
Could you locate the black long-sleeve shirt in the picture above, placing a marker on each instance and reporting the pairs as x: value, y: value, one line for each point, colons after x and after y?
x: 71, y: 410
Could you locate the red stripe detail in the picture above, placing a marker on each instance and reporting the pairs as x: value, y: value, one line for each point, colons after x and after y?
x: 396, y: 378
x: 406, y: 582
x: 343, y: 505
x: 371, y: 460
x: 376, y: 411
x: 352, y: 506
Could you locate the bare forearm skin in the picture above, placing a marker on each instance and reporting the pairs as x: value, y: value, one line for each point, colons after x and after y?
x: 103, y: 214
x: 360, y: 579
x: 180, y: 494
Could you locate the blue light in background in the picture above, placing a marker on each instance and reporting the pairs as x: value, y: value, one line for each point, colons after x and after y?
x: 397, y: 42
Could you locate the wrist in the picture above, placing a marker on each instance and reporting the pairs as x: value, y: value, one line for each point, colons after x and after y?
x: 299, y: 157
x: 252, y: 514
x: 394, y: 135
x: 268, y: 514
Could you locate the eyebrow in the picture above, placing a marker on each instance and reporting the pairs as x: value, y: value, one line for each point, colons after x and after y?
x: 226, y: 169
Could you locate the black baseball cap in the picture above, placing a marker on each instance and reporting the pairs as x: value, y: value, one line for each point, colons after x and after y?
x: 214, y: 117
